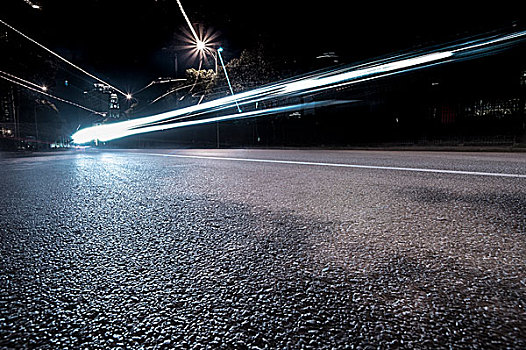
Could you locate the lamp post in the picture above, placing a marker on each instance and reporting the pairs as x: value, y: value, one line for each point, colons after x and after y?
x: 202, y: 49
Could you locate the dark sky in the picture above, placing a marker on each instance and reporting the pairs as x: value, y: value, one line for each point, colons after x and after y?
x: 127, y: 42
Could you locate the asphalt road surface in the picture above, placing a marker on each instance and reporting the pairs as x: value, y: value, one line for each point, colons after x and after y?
x: 236, y: 249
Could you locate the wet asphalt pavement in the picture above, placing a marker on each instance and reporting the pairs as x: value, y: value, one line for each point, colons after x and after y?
x: 124, y: 249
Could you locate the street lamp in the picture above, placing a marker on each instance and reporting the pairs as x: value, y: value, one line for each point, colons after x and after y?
x: 203, y: 47
x: 200, y: 45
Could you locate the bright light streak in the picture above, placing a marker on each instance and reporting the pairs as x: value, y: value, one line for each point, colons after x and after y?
x: 188, y: 21
x: 61, y: 58
x: 478, y: 44
x: 200, y: 45
x: 114, y: 131
x: 361, y: 73
x: 44, y: 88
x: 310, y: 84
x: 39, y: 90
x: 226, y: 75
x: 171, y: 92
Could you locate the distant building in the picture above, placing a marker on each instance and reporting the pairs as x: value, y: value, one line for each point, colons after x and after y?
x: 114, y: 112
x: 8, y: 113
x: 494, y: 108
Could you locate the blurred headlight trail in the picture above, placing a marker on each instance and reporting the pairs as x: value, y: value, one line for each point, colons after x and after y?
x: 309, y: 84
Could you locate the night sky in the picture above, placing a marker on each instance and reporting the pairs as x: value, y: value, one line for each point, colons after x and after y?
x: 123, y: 39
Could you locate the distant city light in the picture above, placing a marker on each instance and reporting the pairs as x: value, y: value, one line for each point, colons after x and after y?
x: 128, y: 96
x: 44, y: 88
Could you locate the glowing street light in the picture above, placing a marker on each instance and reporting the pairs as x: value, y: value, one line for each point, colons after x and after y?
x: 44, y: 88
x: 200, y: 45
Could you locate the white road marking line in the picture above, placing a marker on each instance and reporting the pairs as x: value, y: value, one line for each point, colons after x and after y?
x: 340, y: 165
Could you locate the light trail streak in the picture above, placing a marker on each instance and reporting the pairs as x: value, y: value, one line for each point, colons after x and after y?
x: 197, y: 40
x: 197, y: 76
x: 41, y: 87
x: 169, y: 92
x: 39, y: 90
x: 226, y: 75
x: 318, y: 82
x: 61, y: 58
x: 113, y: 131
x: 383, y: 69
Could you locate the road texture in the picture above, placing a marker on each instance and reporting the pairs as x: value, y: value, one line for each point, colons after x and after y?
x: 236, y: 249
